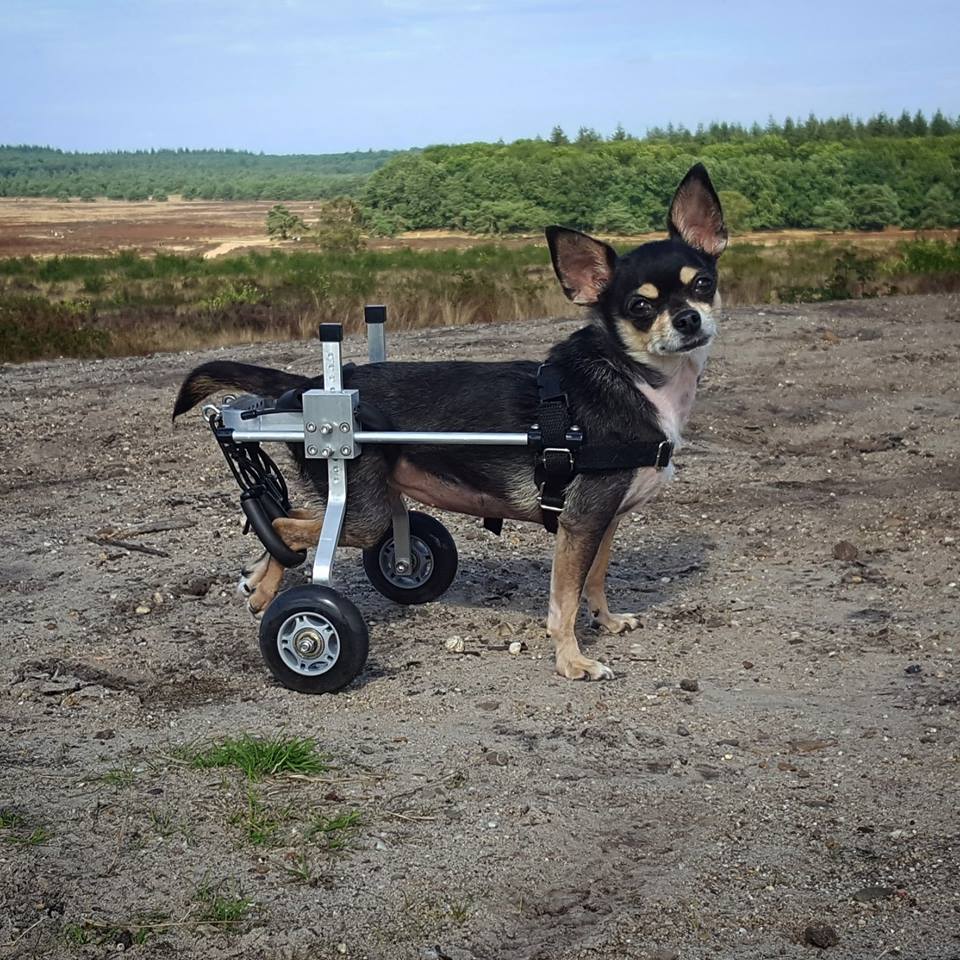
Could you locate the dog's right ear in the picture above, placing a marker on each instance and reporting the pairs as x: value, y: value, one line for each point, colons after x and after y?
x: 584, y: 266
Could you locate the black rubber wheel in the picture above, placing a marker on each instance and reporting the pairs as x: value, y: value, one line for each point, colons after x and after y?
x: 313, y: 639
x: 434, y: 555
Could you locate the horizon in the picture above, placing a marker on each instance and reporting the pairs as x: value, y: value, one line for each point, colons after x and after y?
x: 290, y: 78
x: 650, y: 133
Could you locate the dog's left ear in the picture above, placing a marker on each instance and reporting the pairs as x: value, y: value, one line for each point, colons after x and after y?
x: 695, y: 214
x: 584, y: 266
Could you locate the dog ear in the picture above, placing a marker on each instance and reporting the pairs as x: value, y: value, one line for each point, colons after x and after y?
x: 695, y: 214
x: 584, y: 266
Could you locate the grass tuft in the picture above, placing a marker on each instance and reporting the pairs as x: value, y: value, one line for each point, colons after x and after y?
x: 335, y: 833
x: 221, y: 903
x: 17, y: 828
x: 258, y: 758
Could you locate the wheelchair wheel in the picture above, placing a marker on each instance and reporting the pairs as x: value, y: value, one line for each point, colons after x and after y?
x: 434, y: 555
x: 313, y: 639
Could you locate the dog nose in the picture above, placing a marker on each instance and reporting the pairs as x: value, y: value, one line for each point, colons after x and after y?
x: 687, y: 321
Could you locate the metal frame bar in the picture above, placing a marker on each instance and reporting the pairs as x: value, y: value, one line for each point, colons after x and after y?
x: 326, y: 426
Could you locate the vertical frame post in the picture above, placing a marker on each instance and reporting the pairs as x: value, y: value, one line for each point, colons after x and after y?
x: 375, y: 316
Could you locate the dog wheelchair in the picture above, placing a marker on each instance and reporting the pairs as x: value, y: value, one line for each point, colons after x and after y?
x: 312, y: 638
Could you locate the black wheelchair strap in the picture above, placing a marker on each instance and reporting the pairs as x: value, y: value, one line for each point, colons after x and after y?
x: 562, y: 451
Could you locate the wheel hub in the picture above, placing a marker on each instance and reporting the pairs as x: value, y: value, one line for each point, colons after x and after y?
x: 401, y: 575
x: 308, y: 643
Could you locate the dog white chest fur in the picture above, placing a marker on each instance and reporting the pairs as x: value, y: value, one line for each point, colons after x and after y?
x: 673, y: 401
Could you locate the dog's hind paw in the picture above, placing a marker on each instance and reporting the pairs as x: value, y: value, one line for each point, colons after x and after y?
x: 617, y: 622
x: 583, y: 668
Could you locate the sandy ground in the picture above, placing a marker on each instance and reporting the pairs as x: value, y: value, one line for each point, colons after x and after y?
x: 213, y: 228
x: 802, y: 570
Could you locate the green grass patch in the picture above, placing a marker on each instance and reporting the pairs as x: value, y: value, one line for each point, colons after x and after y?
x: 337, y: 832
x: 222, y: 903
x: 258, y: 758
x: 259, y: 823
x: 21, y: 830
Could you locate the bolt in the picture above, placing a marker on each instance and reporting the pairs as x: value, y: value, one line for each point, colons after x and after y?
x: 311, y: 427
x: 400, y: 567
x: 344, y: 427
x: 326, y: 452
x: 312, y: 451
x: 345, y: 450
x: 325, y: 428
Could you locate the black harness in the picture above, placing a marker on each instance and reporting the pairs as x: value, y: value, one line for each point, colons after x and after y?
x: 561, y: 451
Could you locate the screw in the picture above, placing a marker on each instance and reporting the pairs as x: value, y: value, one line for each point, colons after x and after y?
x: 326, y: 452
x: 325, y: 428
x: 345, y: 450
x: 312, y: 451
x: 311, y: 427
x: 344, y: 427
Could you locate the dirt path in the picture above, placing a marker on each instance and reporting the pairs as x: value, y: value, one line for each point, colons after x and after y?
x: 810, y: 779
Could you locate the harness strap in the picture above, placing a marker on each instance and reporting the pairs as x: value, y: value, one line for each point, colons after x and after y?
x: 561, y: 452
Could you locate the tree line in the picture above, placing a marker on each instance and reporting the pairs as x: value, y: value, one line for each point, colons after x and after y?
x: 834, y: 173
x: 27, y: 171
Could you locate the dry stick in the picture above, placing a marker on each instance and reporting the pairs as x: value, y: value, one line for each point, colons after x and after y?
x: 186, y: 921
x: 13, y: 943
x: 127, y: 545
x: 404, y: 816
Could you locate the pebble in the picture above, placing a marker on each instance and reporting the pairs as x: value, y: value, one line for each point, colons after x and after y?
x: 682, y: 730
x: 516, y: 647
x: 821, y: 935
x: 691, y: 686
x: 665, y: 953
x: 913, y: 668
x: 142, y: 609
x: 870, y: 894
x: 455, y: 644
x: 845, y: 550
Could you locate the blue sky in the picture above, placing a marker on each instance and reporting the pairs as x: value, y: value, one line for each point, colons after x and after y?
x: 295, y: 76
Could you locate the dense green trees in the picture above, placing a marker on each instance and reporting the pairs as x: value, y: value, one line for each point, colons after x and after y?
x: 796, y: 176
x: 832, y: 173
x: 196, y: 174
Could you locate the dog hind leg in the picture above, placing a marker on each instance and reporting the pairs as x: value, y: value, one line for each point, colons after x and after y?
x: 595, y: 591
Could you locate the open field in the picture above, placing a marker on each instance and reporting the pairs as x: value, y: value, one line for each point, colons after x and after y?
x: 42, y: 227
x: 802, y: 569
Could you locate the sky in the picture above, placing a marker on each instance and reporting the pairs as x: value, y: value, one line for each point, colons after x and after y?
x: 308, y: 76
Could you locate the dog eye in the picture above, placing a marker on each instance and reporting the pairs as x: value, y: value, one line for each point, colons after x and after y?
x: 640, y: 307
x: 703, y: 286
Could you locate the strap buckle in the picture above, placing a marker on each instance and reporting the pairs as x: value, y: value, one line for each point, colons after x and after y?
x: 543, y: 456
x: 663, y: 461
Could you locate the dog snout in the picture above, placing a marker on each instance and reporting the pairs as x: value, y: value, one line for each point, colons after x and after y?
x: 687, y: 322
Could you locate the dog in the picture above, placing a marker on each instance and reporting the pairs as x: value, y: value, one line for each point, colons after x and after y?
x: 629, y: 378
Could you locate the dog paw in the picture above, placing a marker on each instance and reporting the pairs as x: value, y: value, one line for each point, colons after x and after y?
x: 583, y: 668
x: 617, y: 622
x: 252, y: 574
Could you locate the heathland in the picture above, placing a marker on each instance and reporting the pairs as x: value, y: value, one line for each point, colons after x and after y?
x: 868, y: 187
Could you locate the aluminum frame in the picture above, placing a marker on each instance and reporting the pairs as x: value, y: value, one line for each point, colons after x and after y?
x: 328, y: 429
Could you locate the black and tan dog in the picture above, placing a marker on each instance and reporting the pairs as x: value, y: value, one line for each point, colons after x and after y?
x: 630, y: 377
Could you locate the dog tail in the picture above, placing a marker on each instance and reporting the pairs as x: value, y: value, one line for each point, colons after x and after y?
x: 227, y: 375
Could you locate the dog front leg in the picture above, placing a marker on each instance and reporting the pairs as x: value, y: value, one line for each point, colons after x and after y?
x: 574, y: 553
x: 595, y: 590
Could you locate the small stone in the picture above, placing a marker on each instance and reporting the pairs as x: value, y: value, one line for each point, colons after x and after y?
x: 682, y: 731
x: 913, y: 668
x: 106, y: 734
x: 871, y: 894
x: 691, y: 686
x: 341, y: 947
x: 845, y: 550
x: 455, y: 645
x: 665, y: 953
x: 747, y: 664
x: 821, y: 935
x: 516, y: 648
x: 143, y: 609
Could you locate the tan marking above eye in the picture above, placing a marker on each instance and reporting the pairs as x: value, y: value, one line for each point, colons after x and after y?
x: 687, y: 274
x: 649, y: 291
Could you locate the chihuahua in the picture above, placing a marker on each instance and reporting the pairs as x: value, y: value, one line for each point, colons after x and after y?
x: 629, y: 378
